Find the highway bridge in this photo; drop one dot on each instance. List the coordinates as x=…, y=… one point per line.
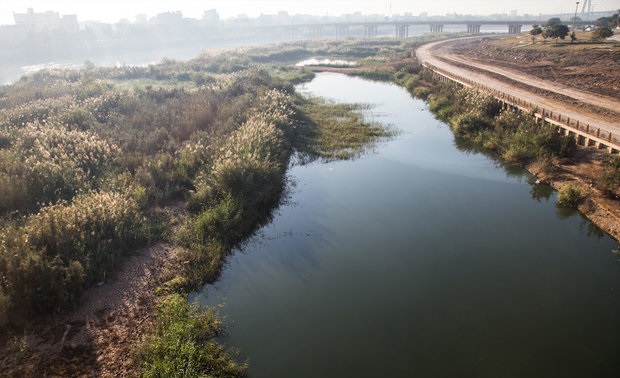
x=400, y=28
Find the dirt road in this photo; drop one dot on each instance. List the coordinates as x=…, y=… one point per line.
x=596, y=110
x=100, y=337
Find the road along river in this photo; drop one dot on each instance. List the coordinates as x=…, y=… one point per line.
x=420, y=259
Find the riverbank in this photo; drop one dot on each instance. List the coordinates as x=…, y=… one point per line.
x=188, y=159
x=560, y=71
x=584, y=171
x=209, y=150
x=584, y=167
x=365, y=242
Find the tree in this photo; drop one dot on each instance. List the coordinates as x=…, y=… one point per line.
x=601, y=34
x=536, y=30
x=607, y=22
x=609, y=180
x=557, y=31
x=554, y=29
x=603, y=22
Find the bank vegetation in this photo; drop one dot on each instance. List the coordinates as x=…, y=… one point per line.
x=92, y=160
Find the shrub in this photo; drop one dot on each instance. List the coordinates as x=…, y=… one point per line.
x=601, y=33
x=442, y=105
x=519, y=147
x=377, y=75
x=5, y=307
x=47, y=261
x=220, y=223
x=570, y=196
x=609, y=179
x=421, y=92
x=468, y=124
x=185, y=344
x=48, y=162
x=481, y=104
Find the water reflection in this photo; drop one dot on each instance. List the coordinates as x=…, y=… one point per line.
x=540, y=191
x=421, y=260
x=326, y=62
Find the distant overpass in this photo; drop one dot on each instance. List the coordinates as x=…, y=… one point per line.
x=400, y=28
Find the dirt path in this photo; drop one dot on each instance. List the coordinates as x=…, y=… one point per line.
x=588, y=98
x=438, y=55
x=99, y=338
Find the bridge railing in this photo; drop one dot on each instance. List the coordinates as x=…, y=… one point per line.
x=586, y=134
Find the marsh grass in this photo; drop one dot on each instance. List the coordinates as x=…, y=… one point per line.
x=338, y=131
x=184, y=343
x=88, y=158
x=512, y=135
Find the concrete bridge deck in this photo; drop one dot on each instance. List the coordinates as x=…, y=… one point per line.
x=401, y=27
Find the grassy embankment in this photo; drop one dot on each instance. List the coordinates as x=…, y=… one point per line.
x=480, y=123
x=90, y=159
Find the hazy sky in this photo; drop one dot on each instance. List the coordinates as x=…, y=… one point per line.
x=113, y=10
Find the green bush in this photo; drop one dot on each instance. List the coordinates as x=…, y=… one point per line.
x=443, y=105
x=377, y=75
x=570, y=196
x=519, y=146
x=609, y=179
x=185, y=344
x=421, y=92
x=220, y=223
x=479, y=118
x=468, y=124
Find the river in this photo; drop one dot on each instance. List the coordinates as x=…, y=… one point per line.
x=420, y=260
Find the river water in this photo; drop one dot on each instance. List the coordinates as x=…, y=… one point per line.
x=420, y=260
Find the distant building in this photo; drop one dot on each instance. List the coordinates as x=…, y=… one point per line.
x=37, y=22
x=211, y=16
x=141, y=18
x=169, y=19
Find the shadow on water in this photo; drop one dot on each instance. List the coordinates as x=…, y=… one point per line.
x=421, y=260
x=539, y=191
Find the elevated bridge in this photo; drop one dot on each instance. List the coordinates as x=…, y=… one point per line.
x=400, y=28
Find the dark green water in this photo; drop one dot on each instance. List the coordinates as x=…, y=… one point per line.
x=420, y=260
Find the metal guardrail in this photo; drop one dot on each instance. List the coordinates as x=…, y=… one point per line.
x=587, y=134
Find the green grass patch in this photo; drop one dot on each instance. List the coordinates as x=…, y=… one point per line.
x=337, y=131
x=185, y=344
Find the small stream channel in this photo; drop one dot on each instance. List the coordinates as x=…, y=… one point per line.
x=420, y=260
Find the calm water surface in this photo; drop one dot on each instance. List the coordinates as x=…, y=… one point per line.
x=420, y=260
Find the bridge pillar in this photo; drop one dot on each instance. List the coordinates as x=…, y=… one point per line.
x=342, y=31
x=315, y=32
x=514, y=28
x=370, y=31
x=402, y=31
x=436, y=28
x=473, y=28
x=292, y=33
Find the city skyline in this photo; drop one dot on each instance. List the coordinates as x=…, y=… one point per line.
x=112, y=11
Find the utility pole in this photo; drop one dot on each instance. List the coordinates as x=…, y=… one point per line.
x=575, y=17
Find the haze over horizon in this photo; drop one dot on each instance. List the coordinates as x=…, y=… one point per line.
x=112, y=11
